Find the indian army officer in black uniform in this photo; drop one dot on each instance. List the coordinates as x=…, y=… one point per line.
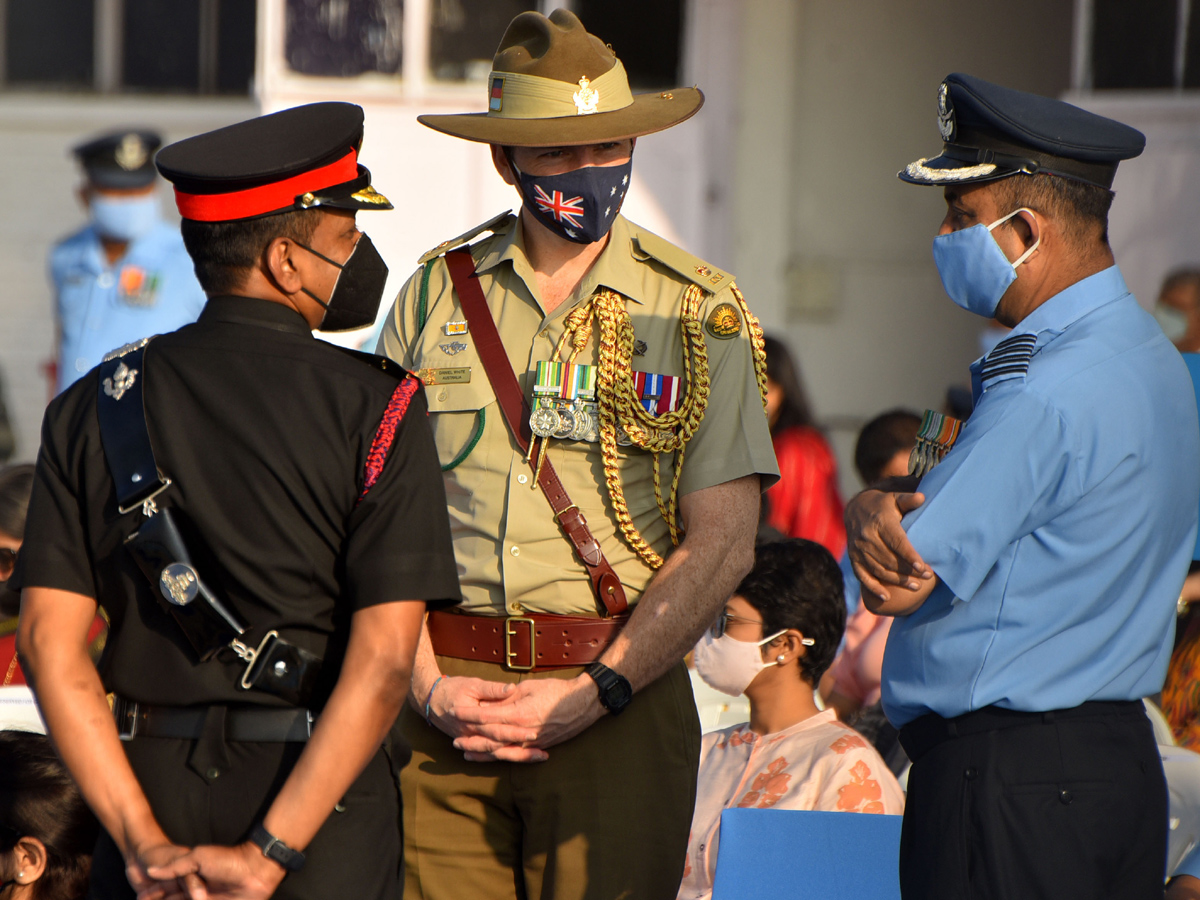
x=304, y=486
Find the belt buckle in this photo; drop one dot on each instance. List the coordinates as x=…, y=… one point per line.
x=127, y=713
x=509, y=653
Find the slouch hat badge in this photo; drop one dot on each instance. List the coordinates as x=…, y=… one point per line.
x=587, y=98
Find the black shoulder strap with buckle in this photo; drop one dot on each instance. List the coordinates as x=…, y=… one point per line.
x=209, y=624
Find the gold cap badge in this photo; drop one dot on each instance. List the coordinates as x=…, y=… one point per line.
x=587, y=98
x=131, y=153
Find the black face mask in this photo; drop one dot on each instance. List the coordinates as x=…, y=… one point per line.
x=355, y=300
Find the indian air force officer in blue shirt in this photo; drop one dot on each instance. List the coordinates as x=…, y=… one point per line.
x=125, y=275
x=1035, y=590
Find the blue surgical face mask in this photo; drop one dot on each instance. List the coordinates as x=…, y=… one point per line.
x=124, y=218
x=975, y=272
x=580, y=205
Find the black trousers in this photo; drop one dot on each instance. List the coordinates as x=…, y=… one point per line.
x=212, y=792
x=1021, y=806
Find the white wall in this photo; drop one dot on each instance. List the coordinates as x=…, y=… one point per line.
x=832, y=250
x=39, y=185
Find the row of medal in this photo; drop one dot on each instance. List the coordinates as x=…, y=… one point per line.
x=565, y=407
x=935, y=438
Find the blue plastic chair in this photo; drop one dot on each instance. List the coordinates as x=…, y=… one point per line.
x=783, y=854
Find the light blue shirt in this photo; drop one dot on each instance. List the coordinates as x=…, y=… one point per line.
x=1060, y=525
x=151, y=290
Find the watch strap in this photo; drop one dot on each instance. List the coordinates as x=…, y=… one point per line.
x=275, y=849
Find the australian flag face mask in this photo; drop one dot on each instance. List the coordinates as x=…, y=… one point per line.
x=579, y=205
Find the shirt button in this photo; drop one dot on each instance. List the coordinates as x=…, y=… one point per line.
x=1065, y=797
x=522, y=478
x=970, y=774
x=515, y=550
x=545, y=332
x=517, y=608
x=213, y=774
x=81, y=365
x=105, y=280
x=443, y=394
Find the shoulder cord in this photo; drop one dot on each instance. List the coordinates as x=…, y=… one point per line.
x=480, y=416
x=619, y=404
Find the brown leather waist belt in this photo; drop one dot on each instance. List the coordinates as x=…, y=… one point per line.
x=523, y=643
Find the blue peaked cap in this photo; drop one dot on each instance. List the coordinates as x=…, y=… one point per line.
x=992, y=132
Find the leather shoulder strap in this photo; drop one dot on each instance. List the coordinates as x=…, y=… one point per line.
x=511, y=400
x=123, y=432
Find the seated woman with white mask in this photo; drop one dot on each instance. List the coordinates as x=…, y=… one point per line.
x=776, y=637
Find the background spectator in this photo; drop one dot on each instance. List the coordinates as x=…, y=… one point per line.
x=804, y=503
x=46, y=830
x=1178, y=309
x=776, y=638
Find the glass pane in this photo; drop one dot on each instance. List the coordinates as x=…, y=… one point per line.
x=645, y=36
x=464, y=35
x=344, y=37
x=1191, y=69
x=162, y=45
x=50, y=42
x=235, y=46
x=1133, y=44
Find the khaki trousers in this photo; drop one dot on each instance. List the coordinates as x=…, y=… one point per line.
x=606, y=817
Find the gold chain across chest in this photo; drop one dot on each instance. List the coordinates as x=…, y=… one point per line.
x=620, y=407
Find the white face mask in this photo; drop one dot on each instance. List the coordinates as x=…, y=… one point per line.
x=729, y=665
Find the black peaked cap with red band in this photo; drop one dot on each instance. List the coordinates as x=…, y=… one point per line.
x=300, y=158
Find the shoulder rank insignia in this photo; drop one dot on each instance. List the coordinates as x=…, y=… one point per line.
x=1009, y=359
x=125, y=349
x=493, y=224
x=724, y=322
x=120, y=382
x=690, y=267
x=935, y=438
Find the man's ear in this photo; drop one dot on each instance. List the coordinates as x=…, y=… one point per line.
x=279, y=264
x=30, y=859
x=1028, y=227
x=500, y=161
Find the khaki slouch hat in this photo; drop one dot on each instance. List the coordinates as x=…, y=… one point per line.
x=553, y=84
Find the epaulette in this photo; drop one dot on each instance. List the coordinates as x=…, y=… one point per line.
x=126, y=349
x=445, y=246
x=690, y=267
x=375, y=361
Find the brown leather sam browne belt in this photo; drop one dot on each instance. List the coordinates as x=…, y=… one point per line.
x=523, y=643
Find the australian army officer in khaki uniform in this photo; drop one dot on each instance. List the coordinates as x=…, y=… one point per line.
x=603, y=456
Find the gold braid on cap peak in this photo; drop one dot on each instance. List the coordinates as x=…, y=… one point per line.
x=619, y=405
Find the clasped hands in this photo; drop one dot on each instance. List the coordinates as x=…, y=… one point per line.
x=491, y=721
x=170, y=872
x=880, y=551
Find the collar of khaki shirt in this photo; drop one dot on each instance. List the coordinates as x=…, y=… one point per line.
x=610, y=270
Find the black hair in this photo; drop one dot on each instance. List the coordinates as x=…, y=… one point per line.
x=16, y=483
x=1080, y=207
x=797, y=584
x=881, y=439
x=223, y=252
x=39, y=800
x=782, y=369
x=1179, y=278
